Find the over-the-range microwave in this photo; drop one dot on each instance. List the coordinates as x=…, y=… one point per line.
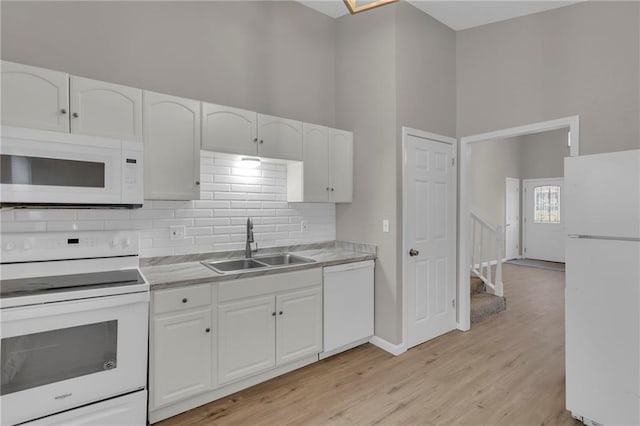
x=53, y=169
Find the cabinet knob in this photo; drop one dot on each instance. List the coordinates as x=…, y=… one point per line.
x=197, y=182
x=333, y=189
x=255, y=140
x=207, y=330
x=261, y=141
x=75, y=115
x=63, y=111
x=273, y=314
x=328, y=188
x=280, y=312
x=184, y=300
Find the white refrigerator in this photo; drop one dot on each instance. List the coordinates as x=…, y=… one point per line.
x=602, y=294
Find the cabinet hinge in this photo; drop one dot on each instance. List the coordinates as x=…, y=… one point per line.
x=453, y=162
x=453, y=303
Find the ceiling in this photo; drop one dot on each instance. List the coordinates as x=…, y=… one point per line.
x=458, y=15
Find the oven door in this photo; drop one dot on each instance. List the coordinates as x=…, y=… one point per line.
x=62, y=355
x=41, y=167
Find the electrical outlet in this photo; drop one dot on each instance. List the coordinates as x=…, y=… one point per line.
x=304, y=226
x=385, y=225
x=176, y=232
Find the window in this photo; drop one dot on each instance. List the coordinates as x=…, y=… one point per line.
x=546, y=204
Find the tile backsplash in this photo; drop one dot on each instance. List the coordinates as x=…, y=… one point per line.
x=230, y=191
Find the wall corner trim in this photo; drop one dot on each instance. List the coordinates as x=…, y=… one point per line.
x=388, y=346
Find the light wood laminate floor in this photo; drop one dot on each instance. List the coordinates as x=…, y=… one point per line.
x=508, y=370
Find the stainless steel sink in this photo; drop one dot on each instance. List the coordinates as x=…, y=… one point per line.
x=237, y=265
x=284, y=259
x=240, y=265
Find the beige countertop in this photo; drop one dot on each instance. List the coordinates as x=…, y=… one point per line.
x=167, y=274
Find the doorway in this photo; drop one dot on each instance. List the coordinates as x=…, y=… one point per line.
x=464, y=251
x=543, y=219
x=429, y=240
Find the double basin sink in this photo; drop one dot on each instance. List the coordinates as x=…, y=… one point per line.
x=242, y=265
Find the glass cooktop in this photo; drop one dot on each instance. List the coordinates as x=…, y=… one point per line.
x=67, y=283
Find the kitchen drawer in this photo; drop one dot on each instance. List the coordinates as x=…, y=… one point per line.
x=181, y=298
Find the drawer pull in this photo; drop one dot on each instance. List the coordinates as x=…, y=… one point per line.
x=281, y=312
x=273, y=314
x=207, y=329
x=185, y=300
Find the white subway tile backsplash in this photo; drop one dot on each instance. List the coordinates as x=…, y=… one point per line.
x=230, y=191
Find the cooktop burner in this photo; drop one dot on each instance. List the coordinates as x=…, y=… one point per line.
x=66, y=283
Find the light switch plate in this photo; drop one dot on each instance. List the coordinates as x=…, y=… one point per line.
x=385, y=225
x=176, y=232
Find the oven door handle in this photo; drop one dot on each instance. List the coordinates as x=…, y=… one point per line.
x=71, y=306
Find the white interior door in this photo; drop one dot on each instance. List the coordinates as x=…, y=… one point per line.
x=430, y=236
x=512, y=218
x=544, y=219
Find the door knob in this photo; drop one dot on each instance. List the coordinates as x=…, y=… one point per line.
x=413, y=252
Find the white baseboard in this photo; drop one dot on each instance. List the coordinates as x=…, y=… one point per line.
x=388, y=346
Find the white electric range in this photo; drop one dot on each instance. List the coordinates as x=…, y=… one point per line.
x=74, y=327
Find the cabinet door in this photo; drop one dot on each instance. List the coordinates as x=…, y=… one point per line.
x=316, y=162
x=341, y=166
x=106, y=109
x=171, y=147
x=35, y=97
x=279, y=138
x=299, y=332
x=181, y=356
x=246, y=338
x=230, y=130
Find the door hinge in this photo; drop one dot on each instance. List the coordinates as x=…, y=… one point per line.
x=453, y=303
x=453, y=162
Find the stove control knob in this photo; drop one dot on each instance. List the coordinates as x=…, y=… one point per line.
x=8, y=246
x=126, y=242
x=26, y=245
x=113, y=243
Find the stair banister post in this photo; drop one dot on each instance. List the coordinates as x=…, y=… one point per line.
x=500, y=238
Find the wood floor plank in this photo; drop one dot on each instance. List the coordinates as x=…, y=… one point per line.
x=508, y=370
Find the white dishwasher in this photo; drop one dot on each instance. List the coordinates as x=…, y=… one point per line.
x=348, y=306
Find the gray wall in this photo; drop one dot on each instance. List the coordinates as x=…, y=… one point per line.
x=366, y=104
x=272, y=57
x=396, y=67
x=581, y=59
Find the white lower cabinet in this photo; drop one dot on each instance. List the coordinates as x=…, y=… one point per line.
x=182, y=341
x=210, y=340
x=245, y=342
x=182, y=363
x=299, y=325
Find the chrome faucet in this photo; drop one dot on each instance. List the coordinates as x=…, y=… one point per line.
x=247, y=248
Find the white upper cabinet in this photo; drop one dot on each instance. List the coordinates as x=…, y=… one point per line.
x=341, y=166
x=326, y=173
x=105, y=109
x=238, y=131
x=316, y=163
x=279, y=138
x=35, y=97
x=171, y=147
x=230, y=130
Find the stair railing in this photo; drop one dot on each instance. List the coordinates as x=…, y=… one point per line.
x=487, y=246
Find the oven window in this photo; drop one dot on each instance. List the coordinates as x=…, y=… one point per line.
x=38, y=359
x=18, y=169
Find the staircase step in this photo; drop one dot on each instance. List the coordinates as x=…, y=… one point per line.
x=477, y=285
x=484, y=305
